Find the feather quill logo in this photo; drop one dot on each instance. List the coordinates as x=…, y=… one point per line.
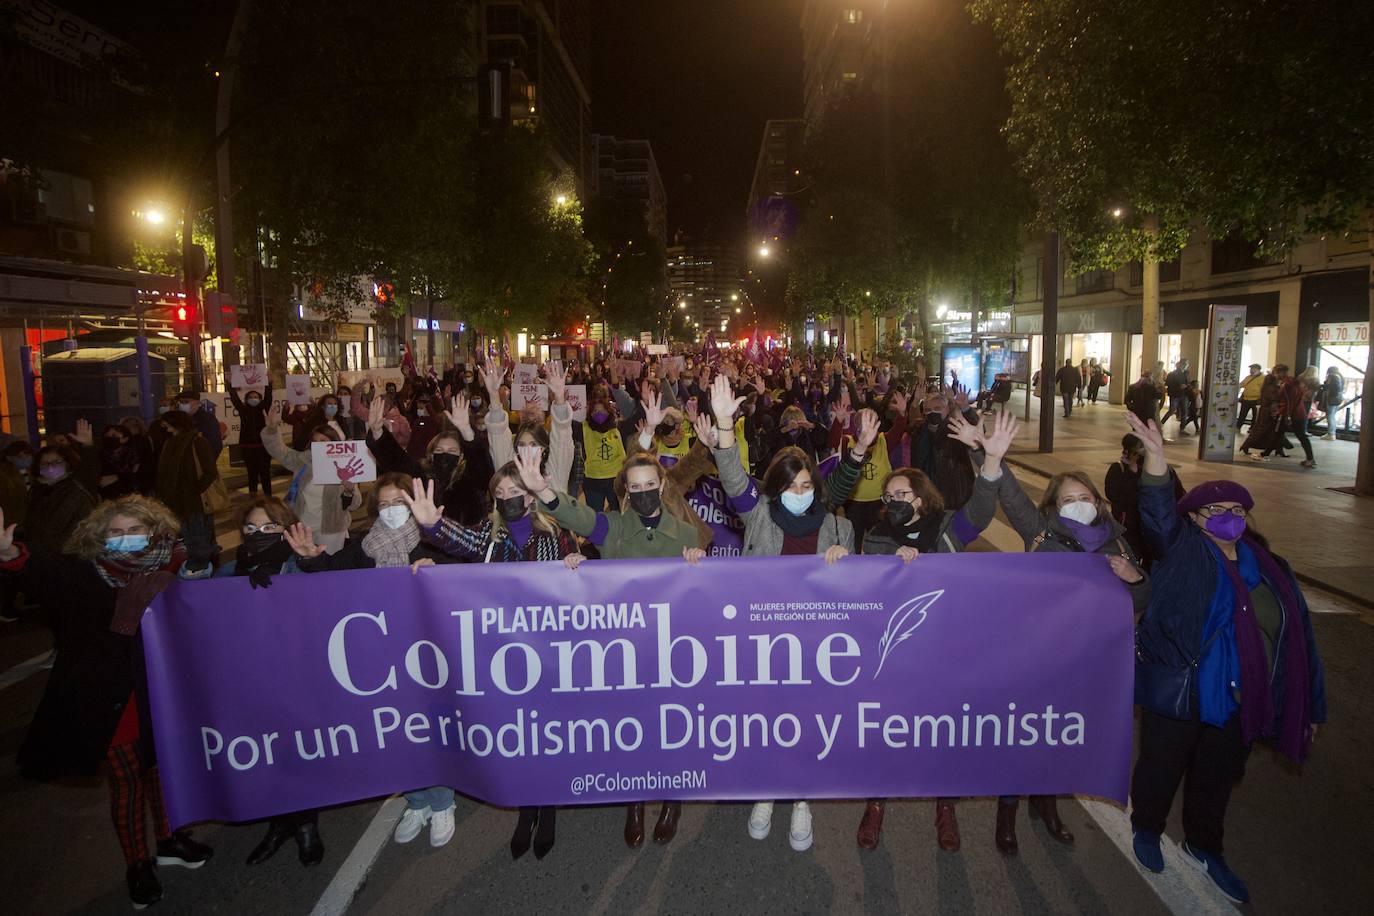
x=903, y=623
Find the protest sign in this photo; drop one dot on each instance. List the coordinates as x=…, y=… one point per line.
x=248, y=375
x=342, y=462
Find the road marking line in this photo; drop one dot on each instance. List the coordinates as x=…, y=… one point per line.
x=351, y=876
x=23, y=670
x=1180, y=887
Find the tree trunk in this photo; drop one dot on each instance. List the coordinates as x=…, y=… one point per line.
x=1149, y=311
x=1364, y=463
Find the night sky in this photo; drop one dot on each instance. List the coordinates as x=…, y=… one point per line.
x=697, y=79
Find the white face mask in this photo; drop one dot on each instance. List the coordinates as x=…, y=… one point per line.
x=1085, y=513
x=394, y=516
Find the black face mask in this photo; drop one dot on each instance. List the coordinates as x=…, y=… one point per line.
x=646, y=502
x=900, y=512
x=444, y=464
x=261, y=541
x=511, y=509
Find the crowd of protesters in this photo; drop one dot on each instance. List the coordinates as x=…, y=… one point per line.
x=813, y=455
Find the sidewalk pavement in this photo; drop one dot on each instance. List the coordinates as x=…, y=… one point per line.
x=1323, y=533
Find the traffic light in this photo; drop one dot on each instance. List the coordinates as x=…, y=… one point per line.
x=184, y=320
x=579, y=331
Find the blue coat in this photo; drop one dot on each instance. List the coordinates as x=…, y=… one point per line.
x=1184, y=580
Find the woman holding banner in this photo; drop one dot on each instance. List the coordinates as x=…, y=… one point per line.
x=1072, y=517
x=914, y=521
x=392, y=540
x=95, y=708
x=262, y=554
x=792, y=518
x=325, y=508
x=653, y=521
x=516, y=530
x=1225, y=655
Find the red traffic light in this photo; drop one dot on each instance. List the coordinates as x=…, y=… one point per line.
x=182, y=313
x=579, y=331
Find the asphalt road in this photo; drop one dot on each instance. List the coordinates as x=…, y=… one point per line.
x=1301, y=839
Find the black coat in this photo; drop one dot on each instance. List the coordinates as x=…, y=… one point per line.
x=351, y=556
x=93, y=676
x=54, y=512
x=252, y=420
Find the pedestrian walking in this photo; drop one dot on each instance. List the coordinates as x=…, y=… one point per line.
x=1069, y=380
x=1176, y=387
x=1250, y=387
x=1332, y=398
x=1266, y=432
x=1225, y=656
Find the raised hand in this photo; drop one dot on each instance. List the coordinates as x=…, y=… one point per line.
x=997, y=441
x=841, y=414
x=706, y=430
x=868, y=430
x=691, y=411
x=653, y=413
x=557, y=380
x=459, y=416
x=528, y=459
x=964, y=431
x=274, y=415
x=83, y=433
x=421, y=502
x=302, y=540
x=723, y=400
x=491, y=380
x=1152, y=438
x=898, y=401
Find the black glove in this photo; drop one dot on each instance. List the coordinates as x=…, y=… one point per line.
x=259, y=577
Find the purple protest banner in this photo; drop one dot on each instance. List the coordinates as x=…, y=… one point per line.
x=524, y=684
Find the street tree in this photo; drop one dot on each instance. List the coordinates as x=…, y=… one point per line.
x=1137, y=123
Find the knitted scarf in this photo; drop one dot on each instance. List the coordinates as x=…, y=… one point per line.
x=809, y=522
x=391, y=546
x=1238, y=654
x=138, y=578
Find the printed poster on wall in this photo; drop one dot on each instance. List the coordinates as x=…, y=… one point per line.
x=1221, y=383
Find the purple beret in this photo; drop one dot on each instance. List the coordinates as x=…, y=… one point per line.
x=1215, y=491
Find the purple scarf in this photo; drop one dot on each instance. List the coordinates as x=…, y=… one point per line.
x=1090, y=537
x=1294, y=737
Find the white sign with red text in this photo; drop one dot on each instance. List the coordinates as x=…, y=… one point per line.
x=577, y=401
x=342, y=462
x=248, y=375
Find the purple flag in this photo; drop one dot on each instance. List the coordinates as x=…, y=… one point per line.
x=744, y=678
x=710, y=353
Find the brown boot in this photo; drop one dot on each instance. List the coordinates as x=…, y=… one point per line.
x=946, y=826
x=1046, y=808
x=666, y=828
x=1006, y=827
x=871, y=827
x=634, y=825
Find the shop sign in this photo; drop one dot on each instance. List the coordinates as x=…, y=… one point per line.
x=1343, y=333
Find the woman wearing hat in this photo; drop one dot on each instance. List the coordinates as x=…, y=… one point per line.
x=1225, y=656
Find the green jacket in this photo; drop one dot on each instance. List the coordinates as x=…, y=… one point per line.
x=620, y=535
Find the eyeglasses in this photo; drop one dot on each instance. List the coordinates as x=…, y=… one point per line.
x=1209, y=511
x=898, y=496
x=266, y=528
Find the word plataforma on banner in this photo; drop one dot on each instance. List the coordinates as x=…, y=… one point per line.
x=342, y=462
x=577, y=401
x=248, y=375
x=297, y=389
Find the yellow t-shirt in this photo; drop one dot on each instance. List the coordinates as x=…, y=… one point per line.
x=1252, y=388
x=870, y=486
x=605, y=452
x=684, y=445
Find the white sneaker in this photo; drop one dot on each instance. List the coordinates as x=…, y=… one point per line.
x=411, y=823
x=1329, y=437
x=441, y=826
x=800, y=834
x=761, y=820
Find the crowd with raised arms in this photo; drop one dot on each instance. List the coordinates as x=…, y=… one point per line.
x=694, y=456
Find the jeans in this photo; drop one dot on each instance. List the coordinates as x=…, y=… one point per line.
x=600, y=494
x=435, y=798
x=1178, y=407
x=1208, y=760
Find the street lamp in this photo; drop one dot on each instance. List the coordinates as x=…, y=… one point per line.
x=561, y=200
x=156, y=217
x=763, y=251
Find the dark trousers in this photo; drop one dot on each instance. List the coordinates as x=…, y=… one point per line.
x=600, y=494
x=1300, y=430
x=1246, y=409
x=258, y=464
x=1178, y=407
x=862, y=515
x=1067, y=398
x=1209, y=761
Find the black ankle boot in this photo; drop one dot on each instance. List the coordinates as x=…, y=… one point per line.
x=144, y=888
x=524, y=831
x=278, y=832
x=309, y=844
x=543, y=837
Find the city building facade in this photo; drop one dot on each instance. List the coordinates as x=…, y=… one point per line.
x=627, y=171
x=706, y=285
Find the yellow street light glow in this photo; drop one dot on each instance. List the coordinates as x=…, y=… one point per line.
x=868, y=292
x=1117, y=212
x=763, y=251
x=561, y=199
x=737, y=310
x=156, y=217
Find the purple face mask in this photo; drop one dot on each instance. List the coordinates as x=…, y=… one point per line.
x=1225, y=527
x=600, y=416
